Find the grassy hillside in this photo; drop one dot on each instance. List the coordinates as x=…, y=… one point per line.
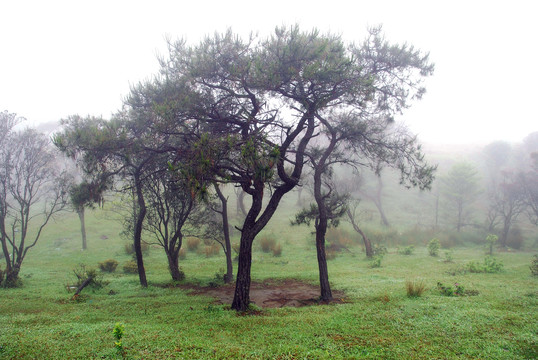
x=378, y=320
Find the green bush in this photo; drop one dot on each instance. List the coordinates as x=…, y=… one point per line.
x=108, y=265
x=130, y=267
x=534, y=266
x=491, y=240
x=449, y=256
x=433, y=247
x=490, y=265
x=459, y=290
x=379, y=250
x=376, y=261
x=407, y=250
x=82, y=273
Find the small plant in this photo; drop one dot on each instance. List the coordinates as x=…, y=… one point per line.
x=449, y=256
x=277, y=250
x=118, y=334
x=490, y=265
x=491, y=240
x=193, y=243
x=380, y=250
x=376, y=261
x=458, y=290
x=108, y=265
x=408, y=250
x=534, y=266
x=130, y=267
x=82, y=273
x=267, y=243
x=433, y=247
x=414, y=288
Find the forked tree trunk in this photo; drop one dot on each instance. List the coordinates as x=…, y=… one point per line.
x=173, y=266
x=82, y=228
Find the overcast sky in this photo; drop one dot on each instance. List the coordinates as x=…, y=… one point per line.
x=59, y=58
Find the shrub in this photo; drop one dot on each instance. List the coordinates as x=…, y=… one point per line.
x=459, y=290
x=182, y=254
x=433, y=247
x=108, y=265
x=129, y=247
x=414, y=288
x=379, y=250
x=408, y=250
x=490, y=265
x=267, y=243
x=376, y=261
x=338, y=239
x=449, y=256
x=82, y=273
x=211, y=250
x=118, y=334
x=534, y=266
x=277, y=250
x=130, y=267
x=193, y=243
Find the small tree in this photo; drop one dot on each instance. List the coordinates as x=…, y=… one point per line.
x=32, y=190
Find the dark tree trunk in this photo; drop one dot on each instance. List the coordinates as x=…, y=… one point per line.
x=173, y=266
x=226, y=230
x=367, y=243
x=82, y=228
x=138, y=230
x=325, y=287
x=242, y=284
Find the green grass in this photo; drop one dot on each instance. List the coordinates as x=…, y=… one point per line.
x=379, y=320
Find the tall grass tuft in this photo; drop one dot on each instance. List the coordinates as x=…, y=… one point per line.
x=415, y=288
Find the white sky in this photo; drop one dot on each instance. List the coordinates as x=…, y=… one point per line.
x=59, y=58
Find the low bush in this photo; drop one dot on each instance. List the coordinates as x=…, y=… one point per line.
x=379, y=250
x=130, y=250
x=490, y=265
x=415, y=288
x=277, y=250
x=376, y=261
x=433, y=247
x=211, y=250
x=130, y=267
x=108, y=265
x=193, y=243
x=82, y=273
x=459, y=290
x=449, y=256
x=267, y=243
x=407, y=250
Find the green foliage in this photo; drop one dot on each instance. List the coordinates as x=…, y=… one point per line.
x=433, y=247
x=130, y=267
x=415, y=288
x=379, y=250
x=376, y=261
x=491, y=240
x=458, y=289
x=449, y=256
x=406, y=250
x=534, y=266
x=118, y=332
x=490, y=265
x=108, y=265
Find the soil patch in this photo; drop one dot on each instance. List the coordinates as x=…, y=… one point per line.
x=270, y=293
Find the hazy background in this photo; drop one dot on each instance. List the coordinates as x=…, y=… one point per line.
x=67, y=57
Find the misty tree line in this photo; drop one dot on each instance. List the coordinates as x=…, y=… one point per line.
x=261, y=114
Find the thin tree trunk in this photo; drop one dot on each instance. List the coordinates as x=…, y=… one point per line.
x=138, y=230
x=367, y=242
x=379, y=204
x=82, y=228
x=226, y=230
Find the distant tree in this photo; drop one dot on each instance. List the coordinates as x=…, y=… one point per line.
x=460, y=187
x=32, y=191
x=86, y=195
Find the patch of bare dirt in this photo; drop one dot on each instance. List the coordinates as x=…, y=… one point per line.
x=270, y=293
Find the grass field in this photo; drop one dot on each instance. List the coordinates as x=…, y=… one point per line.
x=378, y=320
